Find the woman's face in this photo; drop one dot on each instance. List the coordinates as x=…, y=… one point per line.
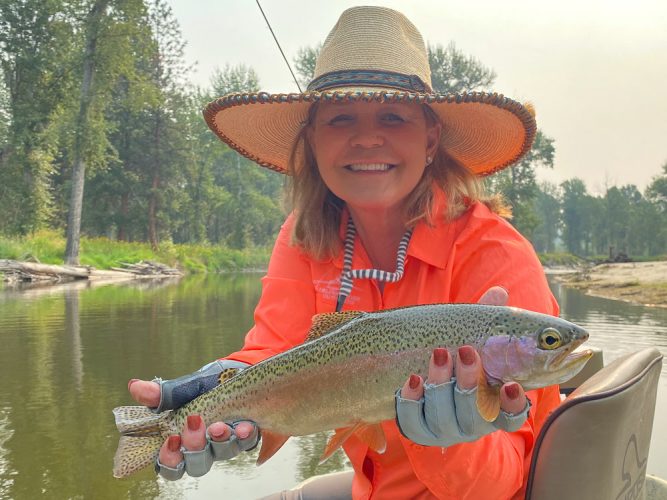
x=371, y=154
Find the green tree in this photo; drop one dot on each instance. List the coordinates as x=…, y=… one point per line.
x=37, y=42
x=656, y=196
x=232, y=79
x=304, y=64
x=249, y=197
x=453, y=72
x=519, y=184
x=547, y=210
x=575, y=220
x=82, y=127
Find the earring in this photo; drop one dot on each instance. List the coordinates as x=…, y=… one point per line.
x=428, y=160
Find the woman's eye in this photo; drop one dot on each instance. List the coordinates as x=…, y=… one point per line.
x=393, y=118
x=340, y=119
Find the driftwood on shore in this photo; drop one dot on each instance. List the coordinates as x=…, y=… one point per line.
x=27, y=272
x=148, y=267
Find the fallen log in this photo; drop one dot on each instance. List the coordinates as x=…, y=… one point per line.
x=32, y=271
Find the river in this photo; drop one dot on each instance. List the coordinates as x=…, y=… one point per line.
x=67, y=353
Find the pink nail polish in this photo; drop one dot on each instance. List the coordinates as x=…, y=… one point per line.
x=467, y=355
x=174, y=442
x=512, y=390
x=194, y=422
x=440, y=356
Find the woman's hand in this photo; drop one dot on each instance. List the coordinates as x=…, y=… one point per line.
x=197, y=447
x=442, y=411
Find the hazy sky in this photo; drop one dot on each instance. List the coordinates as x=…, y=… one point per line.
x=596, y=70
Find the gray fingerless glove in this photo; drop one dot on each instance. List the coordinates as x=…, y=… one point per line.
x=447, y=415
x=198, y=463
x=179, y=391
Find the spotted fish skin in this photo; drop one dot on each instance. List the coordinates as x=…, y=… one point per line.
x=348, y=370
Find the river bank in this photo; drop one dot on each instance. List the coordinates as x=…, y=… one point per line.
x=636, y=282
x=48, y=247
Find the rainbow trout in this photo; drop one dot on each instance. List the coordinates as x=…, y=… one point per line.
x=345, y=374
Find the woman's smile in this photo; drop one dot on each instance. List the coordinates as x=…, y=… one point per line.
x=370, y=167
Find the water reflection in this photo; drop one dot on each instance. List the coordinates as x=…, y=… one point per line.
x=68, y=354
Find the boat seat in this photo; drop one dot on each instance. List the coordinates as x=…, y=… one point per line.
x=595, y=444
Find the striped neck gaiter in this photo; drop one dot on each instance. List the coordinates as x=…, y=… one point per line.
x=348, y=275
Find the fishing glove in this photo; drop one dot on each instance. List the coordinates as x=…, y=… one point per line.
x=447, y=415
x=177, y=392
x=198, y=463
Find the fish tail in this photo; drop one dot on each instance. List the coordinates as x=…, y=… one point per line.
x=142, y=434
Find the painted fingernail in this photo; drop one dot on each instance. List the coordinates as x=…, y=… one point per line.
x=414, y=381
x=512, y=390
x=132, y=381
x=440, y=356
x=242, y=433
x=174, y=442
x=194, y=422
x=467, y=355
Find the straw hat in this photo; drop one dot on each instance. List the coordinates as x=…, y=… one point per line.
x=375, y=53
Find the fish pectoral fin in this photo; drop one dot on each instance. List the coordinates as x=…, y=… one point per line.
x=271, y=443
x=325, y=322
x=488, y=399
x=373, y=436
x=336, y=441
x=370, y=434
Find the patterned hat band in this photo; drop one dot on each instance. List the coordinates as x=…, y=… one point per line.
x=373, y=78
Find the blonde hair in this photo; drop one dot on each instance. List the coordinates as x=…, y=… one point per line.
x=318, y=211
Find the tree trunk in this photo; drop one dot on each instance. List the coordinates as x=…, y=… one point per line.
x=152, y=213
x=79, y=166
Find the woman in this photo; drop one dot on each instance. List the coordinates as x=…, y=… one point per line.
x=387, y=212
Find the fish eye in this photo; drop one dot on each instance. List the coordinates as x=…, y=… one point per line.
x=550, y=339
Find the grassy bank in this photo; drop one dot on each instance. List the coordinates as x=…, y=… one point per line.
x=48, y=247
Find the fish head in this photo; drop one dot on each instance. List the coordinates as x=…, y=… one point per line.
x=533, y=349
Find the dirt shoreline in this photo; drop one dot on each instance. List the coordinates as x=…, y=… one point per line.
x=642, y=283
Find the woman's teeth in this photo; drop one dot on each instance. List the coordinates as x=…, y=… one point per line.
x=360, y=167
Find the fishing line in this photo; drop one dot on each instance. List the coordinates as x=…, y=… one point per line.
x=279, y=47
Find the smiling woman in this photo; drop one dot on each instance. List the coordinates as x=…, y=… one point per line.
x=387, y=212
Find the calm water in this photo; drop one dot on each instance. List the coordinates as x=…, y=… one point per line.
x=68, y=353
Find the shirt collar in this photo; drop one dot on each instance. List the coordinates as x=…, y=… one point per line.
x=429, y=243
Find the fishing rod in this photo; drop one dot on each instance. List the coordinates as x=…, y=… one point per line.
x=279, y=47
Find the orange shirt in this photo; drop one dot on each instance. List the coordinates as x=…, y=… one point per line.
x=453, y=261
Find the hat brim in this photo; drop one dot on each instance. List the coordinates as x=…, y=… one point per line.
x=484, y=132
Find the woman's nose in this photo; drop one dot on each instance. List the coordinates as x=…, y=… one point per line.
x=367, y=137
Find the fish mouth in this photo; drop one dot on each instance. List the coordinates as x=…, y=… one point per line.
x=569, y=358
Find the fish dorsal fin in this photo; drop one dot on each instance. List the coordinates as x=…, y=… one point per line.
x=325, y=322
x=271, y=443
x=371, y=434
x=488, y=399
x=227, y=373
